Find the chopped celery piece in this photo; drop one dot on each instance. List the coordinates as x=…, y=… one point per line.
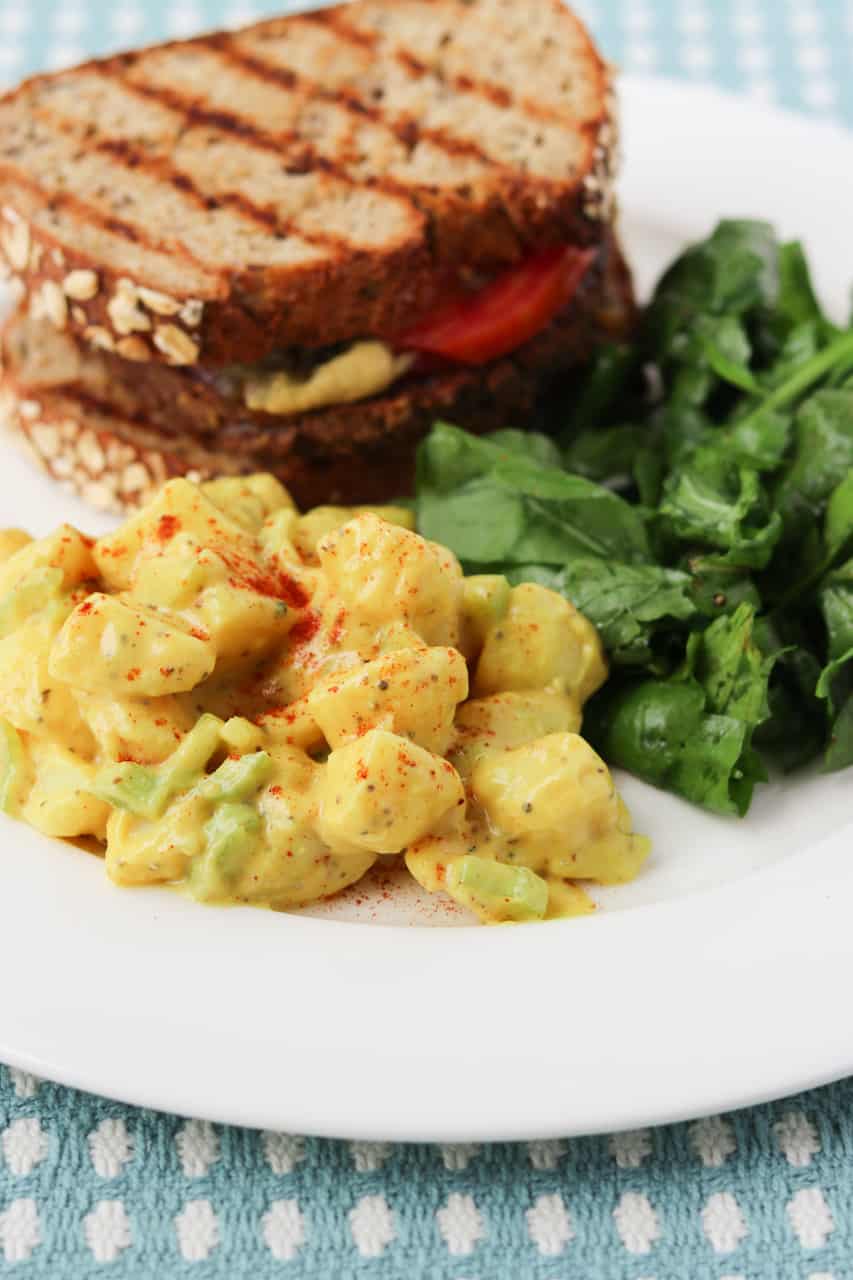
x=134, y=787
x=496, y=892
x=146, y=790
x=236, y=779
x=230, y=836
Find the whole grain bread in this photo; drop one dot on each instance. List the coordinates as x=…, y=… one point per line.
x=112, y=435
x=306, y=180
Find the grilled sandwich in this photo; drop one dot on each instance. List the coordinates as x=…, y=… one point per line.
x=279, y=247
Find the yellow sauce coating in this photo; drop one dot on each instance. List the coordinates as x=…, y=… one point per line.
x=256, y=704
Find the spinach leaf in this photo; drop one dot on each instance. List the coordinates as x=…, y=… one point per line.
x=626, y=602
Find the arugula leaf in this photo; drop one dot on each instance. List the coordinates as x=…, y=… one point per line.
x=732, y=669
x=731, y=368
x=717, y=587
x=627, y=603
x=710, y=499
x=733, y=271
x=836, y=601
x=607, y=454
x=693, y=732
x=823, y=454
x=480, y=521
x=759, y=440
x=797, y=302
x=794, y=733
x=839, y=753
x=560, y=515
x=838, y=524
x=835, y=684
x=661, y=731
x=528, y=444
x=609, y=377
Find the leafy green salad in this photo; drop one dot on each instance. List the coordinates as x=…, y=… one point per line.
x=696, y=504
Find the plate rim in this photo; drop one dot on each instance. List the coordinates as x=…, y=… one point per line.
x=483, y=953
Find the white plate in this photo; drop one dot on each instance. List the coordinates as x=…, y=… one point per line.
x=719, y=979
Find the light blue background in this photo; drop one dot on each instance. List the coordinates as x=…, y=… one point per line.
x=90, y=1188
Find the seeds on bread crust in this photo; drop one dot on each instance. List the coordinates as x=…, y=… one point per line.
x=15, y=242
x=80, y=285
x=133, y=348
x=177, y=346
x=49, y=302
x=191, y=312
x=160, y=303
x=125, y=312
x=99, y=337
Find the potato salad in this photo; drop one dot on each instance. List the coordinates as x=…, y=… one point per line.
x=259, y=704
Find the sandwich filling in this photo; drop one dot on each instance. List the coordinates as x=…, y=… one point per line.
x=365, y=369
x=466, y=328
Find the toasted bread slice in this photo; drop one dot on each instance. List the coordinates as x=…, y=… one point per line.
x=305, y=180
x=100, y=428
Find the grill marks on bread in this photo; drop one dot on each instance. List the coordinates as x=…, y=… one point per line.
x=342, y=152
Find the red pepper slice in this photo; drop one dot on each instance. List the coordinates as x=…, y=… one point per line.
x=508, y=312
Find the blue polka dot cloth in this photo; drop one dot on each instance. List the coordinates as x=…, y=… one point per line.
x=91, y=1188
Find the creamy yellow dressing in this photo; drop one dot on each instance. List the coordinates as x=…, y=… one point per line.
x=364, y=369
x=257, y=704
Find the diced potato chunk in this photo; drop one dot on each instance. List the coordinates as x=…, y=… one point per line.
x=383, y=793
x=556, y=795
x=316, y=523
x=412, y=692
x=485, y=600
x=155, y=851
x=110, y=646
x=30, y=698
x=66, y=550
x=543, y=641
x=179, y=507
x=380, y=571
x=60, y=802
x=146, y=730
x=508, y=720
x=249, y=500
x=12, y=540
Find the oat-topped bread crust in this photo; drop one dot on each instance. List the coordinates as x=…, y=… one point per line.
x=305, y=180
x=113, y=436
